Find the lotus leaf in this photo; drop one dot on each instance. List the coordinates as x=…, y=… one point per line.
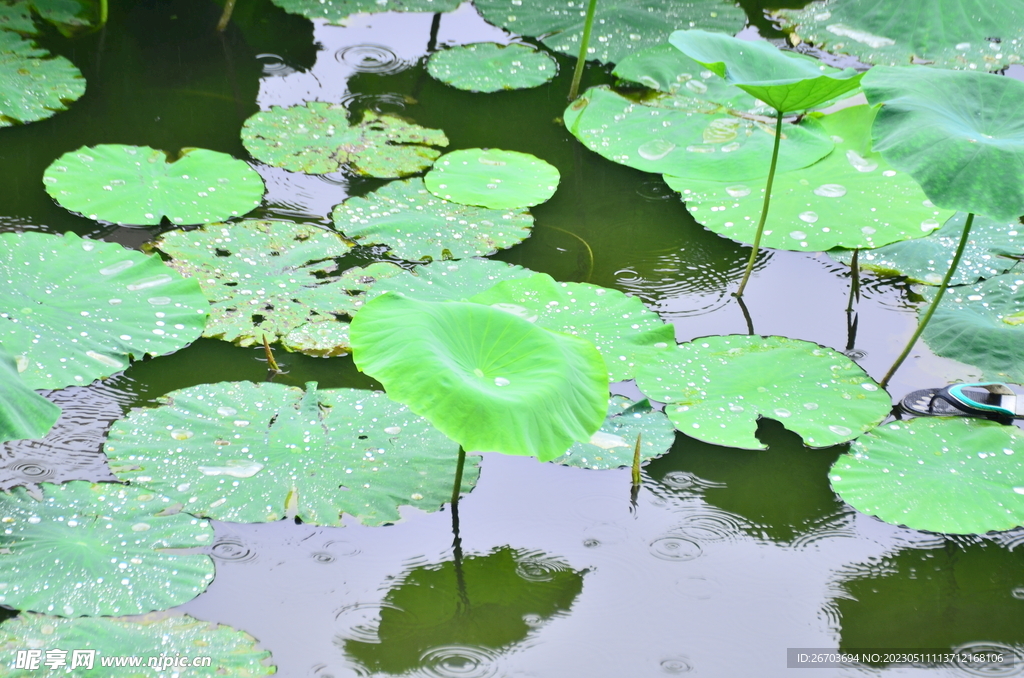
x=24, y=414
x=490, y=380
x=313, y=454
x=942, y=474
x=689, y=137
x=449, y=280
x=991, y=249
x=317, y=139
x=486, y=603
x=622, y=329
x=716, y=388
x=621, y=27
x=415, y=224
x=69, y=16
x=139, y=185
x=666, y=69
x=492, y=178
x=490, y=67
x=970, y=34
x=337, y=11
x=34, y=85
x=91, y=549
x=614, y=443
x=270, y=278
x=851, y=199
x=234, y=653
x=786, y=81
x=956, y=132
x=983, y=325
x=75, y=310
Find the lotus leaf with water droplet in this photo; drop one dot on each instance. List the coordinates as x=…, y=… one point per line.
x=493, y=178
x=666, y=69
x=76, y=310
x=941, y=474
x=91, y=549
x=490, y=380
x=449, y=280
x=337, y=12
x=415, y=224
x=716, y=388
x=490, y=67
x=614, y=443
x=68, y=16
x=314, y=454
x=33, y=84
x=24, y=414
x=851, y=198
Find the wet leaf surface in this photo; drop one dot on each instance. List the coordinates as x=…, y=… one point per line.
x=615, y=442
x=33, y=84
x=449, y=280
x=24, y=414
x=338, y=11
x=490, y=67
x=493, y=178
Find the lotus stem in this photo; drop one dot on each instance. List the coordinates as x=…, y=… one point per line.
x=854, y=281
x=590, y=252
x=636, y=461
x=935, y=303
x=764, y=207
x=460, y=577
x=269, y=352
x=577, y=75
x=229, y=7
x=457, y=490
x=103, y=12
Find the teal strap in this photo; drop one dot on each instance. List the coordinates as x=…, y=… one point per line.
x=957, y=392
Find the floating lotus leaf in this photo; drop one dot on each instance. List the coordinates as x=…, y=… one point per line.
x=666, y=69
x=68, y=16
x=313, y=454
x=270, y=278
x=955, y=132
x=991, y=249
x=24, y=414
x=852, y=198
x=786, y=81
x=415, y=224
x=716, y=388
x=489, y=67
x=492, y=178
x=982, y=325
x=488, y=379
x=942, y=474
x=615, y=442
x=622, y=329
x=621, y=27
x=983, y=34
x=485, y=605
x=317, y=139
x=337, y=11
x=449, y=280
x=232, y=653
x=91, y=549
x=33, y=84
x=75, y=310
x=689, y=137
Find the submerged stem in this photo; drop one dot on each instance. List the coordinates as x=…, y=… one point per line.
x=590, y=252
x=577, y=74
x=460, y=577
x=764, y=207
x=935, y=303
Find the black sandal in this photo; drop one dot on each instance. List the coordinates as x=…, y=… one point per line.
x=989, y=400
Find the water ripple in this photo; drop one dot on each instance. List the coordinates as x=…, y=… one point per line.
x=371, y=58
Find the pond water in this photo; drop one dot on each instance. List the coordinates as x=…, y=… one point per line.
x=725, y=559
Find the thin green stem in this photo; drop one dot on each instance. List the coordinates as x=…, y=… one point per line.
x=457, y=490
x=229, y=7
x=764, y=207
x=636, y=461
x=590, y=252
x=577, y=75
x=935, y=303
x=103, y=12
x=854, y=281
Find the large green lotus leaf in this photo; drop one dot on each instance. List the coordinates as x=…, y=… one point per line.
x=959, y=134
x=139, y=185
x=17, y=16
x=971, y=34
x=982, y=325
x=716, y=388
x=490, y=67
x=449, y=280
x=786, y=81
x=689, y=137
x=91, y=549
x=992, y=248
x=313, y=454
x=270, y=278
x=623, y=330
x=621, y=27
x=24, y=414
x=666, y=69
x=74, y=310
x=337, y=11
x=614, y=443
x=232, y=653
x=492, y=178
x=942, y=474
x=415, y=224
x=34, y=85
x=317, y=139
x=486, y=604
x=852, y=198
x=490, y=380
